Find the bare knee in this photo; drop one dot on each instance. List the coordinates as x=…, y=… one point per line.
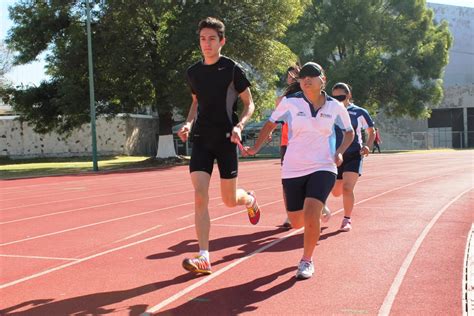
x=336, y=193
x=313, y=214
x=347, y=189
x=201, y=199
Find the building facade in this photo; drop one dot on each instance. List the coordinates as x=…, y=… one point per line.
x=451, y=124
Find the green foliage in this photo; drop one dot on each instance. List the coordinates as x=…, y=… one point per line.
x=141, y=53
x=390, y=51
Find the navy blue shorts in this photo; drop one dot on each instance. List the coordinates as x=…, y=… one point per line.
x=352, y=163
x=316, y=185
x=205, y=153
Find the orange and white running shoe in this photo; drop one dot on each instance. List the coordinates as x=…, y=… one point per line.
x=253, y=211
x=198, y=264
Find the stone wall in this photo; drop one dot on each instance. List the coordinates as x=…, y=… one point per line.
x=396, y=133
x=122, y=135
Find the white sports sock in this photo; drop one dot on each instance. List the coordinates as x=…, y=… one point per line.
x=204, y=253
x=252, y=199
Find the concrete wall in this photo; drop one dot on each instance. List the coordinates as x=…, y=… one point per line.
x=459, y=70
x=124, y=135
x=458, y=96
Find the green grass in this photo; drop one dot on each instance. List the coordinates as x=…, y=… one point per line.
x=10, y=169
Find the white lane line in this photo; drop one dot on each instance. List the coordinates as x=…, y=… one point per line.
x=139, y=233
x=160, y=186
x=33, y=276
x=107, y=221
x=393, y=291
x=38, y=257
x=85, y=178
x=468, y=276
x=157, y=236
x=208, y=278
x=89, y=197
x=186, y=290
x=192, y=212
x=186, y=216
x=93, y=224
x=90, y=207
x=36, y=275
x=101, y=205
x=244, y=226
x=83, y=197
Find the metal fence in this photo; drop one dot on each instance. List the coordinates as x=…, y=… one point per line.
x=442, y=139
x=390, y=141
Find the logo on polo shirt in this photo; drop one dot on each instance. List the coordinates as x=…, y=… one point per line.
x=300, y=113
x=325, y=115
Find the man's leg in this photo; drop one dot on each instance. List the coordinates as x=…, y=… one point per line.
x=201, y=182
x=201, y=263
x=231, y=196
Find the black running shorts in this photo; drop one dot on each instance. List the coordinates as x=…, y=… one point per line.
x=316, y=185
x=224, y=151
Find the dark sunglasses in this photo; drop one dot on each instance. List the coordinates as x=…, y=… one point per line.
x=340, y=98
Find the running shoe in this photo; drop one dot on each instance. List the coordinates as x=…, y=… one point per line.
x=287, y=223
x=346, y=225
x=326, y=214
x=305, y=270
x=198, y=264
x=253, y=211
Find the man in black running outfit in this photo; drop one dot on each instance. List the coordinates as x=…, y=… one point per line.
x=216, y=82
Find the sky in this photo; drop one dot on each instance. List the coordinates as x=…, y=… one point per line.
x=33, y=73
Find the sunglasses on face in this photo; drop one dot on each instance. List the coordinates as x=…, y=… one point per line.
x=340, y=98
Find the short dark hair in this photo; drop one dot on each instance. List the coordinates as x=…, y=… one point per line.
x=344, y=86
x=212, y=23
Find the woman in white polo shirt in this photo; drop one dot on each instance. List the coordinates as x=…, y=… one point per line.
x=310, y=166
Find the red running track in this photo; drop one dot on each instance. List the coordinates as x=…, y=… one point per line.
x=113, y=244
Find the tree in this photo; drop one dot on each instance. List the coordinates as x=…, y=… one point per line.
x=6, y=62
x=140, y=54
x=389, y=50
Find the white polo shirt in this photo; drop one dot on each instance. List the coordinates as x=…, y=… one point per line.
x=311, y=134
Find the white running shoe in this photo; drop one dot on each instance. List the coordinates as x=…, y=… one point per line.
x=346, y=225
x=326, y=214
x=305, y=270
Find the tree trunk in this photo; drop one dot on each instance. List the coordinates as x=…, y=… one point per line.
x=165, y=142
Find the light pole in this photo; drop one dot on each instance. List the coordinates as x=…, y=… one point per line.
x=91, y=88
